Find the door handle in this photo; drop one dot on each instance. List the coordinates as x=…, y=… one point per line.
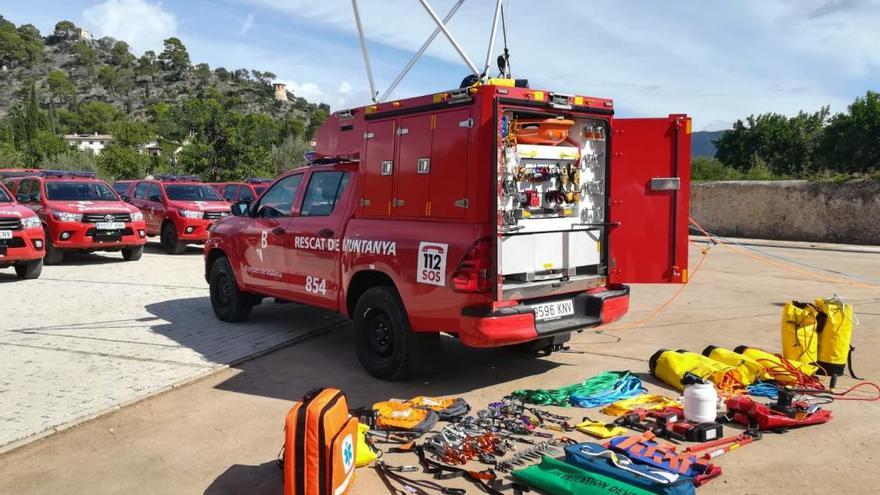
x=325, y=233
x=278, y=231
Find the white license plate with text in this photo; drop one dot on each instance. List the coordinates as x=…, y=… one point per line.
x=110, y=225
x=5, y=234
x=553, y=310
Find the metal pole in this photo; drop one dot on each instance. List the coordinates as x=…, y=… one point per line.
x=421, y=51
x=448, y=35
x=492, y=38
x=357, y=18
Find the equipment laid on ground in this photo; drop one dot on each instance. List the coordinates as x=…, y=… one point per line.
x=320, y=444
x=595, y=458
x=644, y=401
x=800, y=322
x=785, y=414
x=722, y=446
x=646, y=450
x=783, y=370
x=600, y=390
x=396, y=415
x=700, y=399
x=835, y=347
x=756, y=371
x=671, y=367
x=555, y=477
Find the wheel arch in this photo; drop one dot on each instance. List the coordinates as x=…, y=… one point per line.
x=361, y=282
x=211, y=257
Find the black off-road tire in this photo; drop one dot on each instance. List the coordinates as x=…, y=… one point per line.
x=132, y=253
x=171, y=243
x=227, y=300
x=54, y=256
x=29, y=270
x=386, y=346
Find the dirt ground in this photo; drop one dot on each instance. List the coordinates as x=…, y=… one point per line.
x=222, y=434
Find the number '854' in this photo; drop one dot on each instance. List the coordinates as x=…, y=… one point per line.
x=316, y=285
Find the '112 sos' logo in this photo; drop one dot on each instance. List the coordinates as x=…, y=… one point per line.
x=432, y=263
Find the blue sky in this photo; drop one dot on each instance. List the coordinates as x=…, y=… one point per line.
x=716, y=60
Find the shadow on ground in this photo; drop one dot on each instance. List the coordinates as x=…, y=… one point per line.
x=155, y=247
x=253, y=480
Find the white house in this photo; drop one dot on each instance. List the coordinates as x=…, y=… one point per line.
x=89, y=142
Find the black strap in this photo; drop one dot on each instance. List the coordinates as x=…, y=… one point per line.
x=849, y=361
x=388, y=473
x=443, y=471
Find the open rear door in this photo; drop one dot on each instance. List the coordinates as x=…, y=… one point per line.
x=649, y=197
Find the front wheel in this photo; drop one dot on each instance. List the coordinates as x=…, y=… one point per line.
x=132, y=253
x=170, y=240
x=54, y=256
x=29, y=270
x=386, y=346
x=228, y=301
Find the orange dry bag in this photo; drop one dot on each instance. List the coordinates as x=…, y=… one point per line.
x=320, y=442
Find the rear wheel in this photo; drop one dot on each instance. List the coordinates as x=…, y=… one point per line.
x=132, y=253
x=170, y=240
x=29, y=270
x=228, y=301
x=54, y=255
x=386, y=346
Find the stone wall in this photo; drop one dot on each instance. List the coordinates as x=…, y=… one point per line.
x=793, y=210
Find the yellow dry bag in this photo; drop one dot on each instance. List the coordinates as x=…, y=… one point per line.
x=800, y=325
x=775, y=366
x=751, y=369
x=671, y=366
x=835, y=337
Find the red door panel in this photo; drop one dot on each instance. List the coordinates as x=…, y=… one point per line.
x=378, y=170
x=413, y=175
x=649, y=243
x=449, y=164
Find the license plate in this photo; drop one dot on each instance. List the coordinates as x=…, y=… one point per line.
x=110, y=225
x=5, y=234
x=553, y=310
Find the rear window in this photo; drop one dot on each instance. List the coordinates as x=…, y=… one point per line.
x=324, y=191
x=260, y=189
x=245, y=194
x=121, y=187
x=79, y=190
x=191, y=192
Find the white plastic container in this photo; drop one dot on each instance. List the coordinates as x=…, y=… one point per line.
x=700, y=402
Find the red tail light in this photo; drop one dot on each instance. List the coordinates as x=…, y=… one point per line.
x=474, y=273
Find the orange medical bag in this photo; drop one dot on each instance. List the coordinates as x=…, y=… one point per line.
x=320, y=442
x=542, y=131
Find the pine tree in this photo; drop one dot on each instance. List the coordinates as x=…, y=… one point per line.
x=32, y=115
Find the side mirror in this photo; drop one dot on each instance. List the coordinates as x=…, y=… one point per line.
x=240, y=209
x=156, y=198
x=125, y=198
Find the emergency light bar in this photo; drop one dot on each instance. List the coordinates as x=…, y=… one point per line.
x=67, y=173
x=174, y=178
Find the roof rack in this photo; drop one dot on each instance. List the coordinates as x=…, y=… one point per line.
x=257, y=180
x=178, y=178
x=68, y=173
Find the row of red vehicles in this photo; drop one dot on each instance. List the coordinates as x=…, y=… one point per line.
x=46, y=213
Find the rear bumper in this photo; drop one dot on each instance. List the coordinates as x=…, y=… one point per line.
x=25, y=245
x=74, y=236
x=485, y=327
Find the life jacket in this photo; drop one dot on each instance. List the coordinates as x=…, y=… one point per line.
x=800, y=325
x=320, y=444
x=446, y=409
x=835, y=337
x=397, y=415
x=671, y=366
x=753, y=370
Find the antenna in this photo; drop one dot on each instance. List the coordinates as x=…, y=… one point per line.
x=357, y=18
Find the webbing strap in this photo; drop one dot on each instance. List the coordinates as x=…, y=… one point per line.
x=597, y=391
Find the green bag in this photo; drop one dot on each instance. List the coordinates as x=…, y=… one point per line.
x=555, y=477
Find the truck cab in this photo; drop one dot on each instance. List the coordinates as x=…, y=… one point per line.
x=178, y=208
x=501, y=215
x=80, y=213
x=238, y=191
x=22, y=243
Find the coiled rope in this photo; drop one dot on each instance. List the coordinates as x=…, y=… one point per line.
x=597, y=391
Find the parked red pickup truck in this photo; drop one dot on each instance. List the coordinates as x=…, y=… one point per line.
x=22, y=243
x=178, y=208
x=501, y=215
x=80, y=213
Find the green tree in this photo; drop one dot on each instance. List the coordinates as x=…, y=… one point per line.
x=174, y=58
x=93, y=116
x=221, y=73
x=851, y=142
x=64, y=29
x=132, y=134
x=12, y=47
x=84, y=54
x=203, y=73
x=107, y=77
x=289, y=154
x=122, y=162
x=32, y=43
x=120, y=55
x=60, y=86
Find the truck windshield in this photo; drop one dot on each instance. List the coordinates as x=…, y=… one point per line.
x=4, y=198
x=191, y=192
x=79, y=190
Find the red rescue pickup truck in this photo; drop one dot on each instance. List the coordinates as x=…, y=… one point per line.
x=80, y=213
x=501, y=215
x=22, y=243
x=178, y=208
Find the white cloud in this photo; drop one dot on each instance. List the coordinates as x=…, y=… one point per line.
x=344, y=88
x=246, y=25
x=142, y=24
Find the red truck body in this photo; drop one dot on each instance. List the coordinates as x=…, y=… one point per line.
x=442, y=221
x=179, y=209
x=80, y=213
x=22, y=242
x=238, y=191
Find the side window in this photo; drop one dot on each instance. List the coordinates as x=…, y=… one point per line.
x=155, y=191
x=140, y=191
x=278, y=201
x=230, y=193
x=29, y=191
x=325, y=189
x=246, y=194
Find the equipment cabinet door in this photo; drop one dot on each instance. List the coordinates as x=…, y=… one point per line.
x=378, y=169
x=450, y=152
x=649, y=192
x=413, y=175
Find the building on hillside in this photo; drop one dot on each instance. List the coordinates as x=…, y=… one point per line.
x=280, y=91
x=93, y=143
x=152, y=149
x=82, y=34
